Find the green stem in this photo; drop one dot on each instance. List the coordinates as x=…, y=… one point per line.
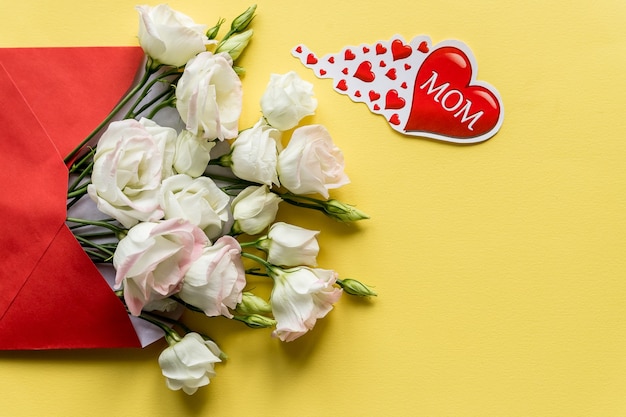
x=269, y=267
x=81, y=177
x=186, y=305
x=104, y=224
x=132, y=113
x=148, y=104
x=161, y=106
x=78, y=193
x=102, y=248
x=147, y=73
x=170, y=335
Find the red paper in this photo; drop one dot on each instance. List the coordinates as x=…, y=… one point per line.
x=51, y=294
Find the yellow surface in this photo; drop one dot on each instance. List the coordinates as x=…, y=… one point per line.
x=500, y=266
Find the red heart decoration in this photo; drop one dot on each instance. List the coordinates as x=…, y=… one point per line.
x=423, y=47
x=357, y=93
x=349, y=55
x=393, y=101
x=391, y=74
x=448, y=104
x=331, y=59
x=376, y=107
x=399, y=50
x=382, y=64
x=374, y=95
x=380, y=49
x=394, y=119
x=364, y=72
x=299, y=49
x=345, y=71
x=341, y=85
x=366, y=49
x=322, y=71
x=311, y=60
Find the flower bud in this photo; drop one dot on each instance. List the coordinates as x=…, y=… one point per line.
x=354, y=287
x=235, y=45
x=256, y=321
x=251, y=304
x=343, y=212
x=241, y=22
x=212, y=32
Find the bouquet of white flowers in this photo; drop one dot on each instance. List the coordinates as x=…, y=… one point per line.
x=185, y=196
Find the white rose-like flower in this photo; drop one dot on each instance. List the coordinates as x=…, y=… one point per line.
x=209, y=96
x=152, y=259
x=193, y=154
x=189, y=363
x=255, y=154
x=290, y=245
x=131, y=159
x=170, y=37
x=197, y=200
x=311, y=162
x=286, y=100
x=254, y=209
x=215, y=281
x=301, y=296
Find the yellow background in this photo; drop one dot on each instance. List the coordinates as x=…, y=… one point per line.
x=500, y=266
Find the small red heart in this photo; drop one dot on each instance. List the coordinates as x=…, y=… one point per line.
x=380, y=49
x=403, y=85
x=423, y=47
x=331, y=59
x=311, y=60
x=357, y=93
x=366, y=49
x=391, y=74
x=447, y=104
x=322, y=72
x=399, y=50
x=382, y=64
x=407, y=67
x=364, y=72
x=393, y=101
x=345, y=71
x=374, y=95
x=341, y=85
x=349, y=55
x=299, y=49
x=376, y=107
x=395, y=119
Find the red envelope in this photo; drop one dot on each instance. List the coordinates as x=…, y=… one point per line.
x=51, y=294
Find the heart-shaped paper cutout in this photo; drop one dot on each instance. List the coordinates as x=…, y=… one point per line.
x=429, y=91
x=448, y=102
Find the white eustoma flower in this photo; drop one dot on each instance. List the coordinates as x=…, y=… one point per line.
x=209, y=96
x=170, y=37
x=286, y=100
x=198, y=200
x=153, y=258
x=290, y=245
x=254, y=209
x=131, y=159
x=311, y=162
x=301, y=296
x=189, y=363
x=255, y=154
x=215, y=281
x=193, y=154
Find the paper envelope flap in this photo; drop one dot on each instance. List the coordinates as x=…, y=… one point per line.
x=71, y=90
x=51, y=294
